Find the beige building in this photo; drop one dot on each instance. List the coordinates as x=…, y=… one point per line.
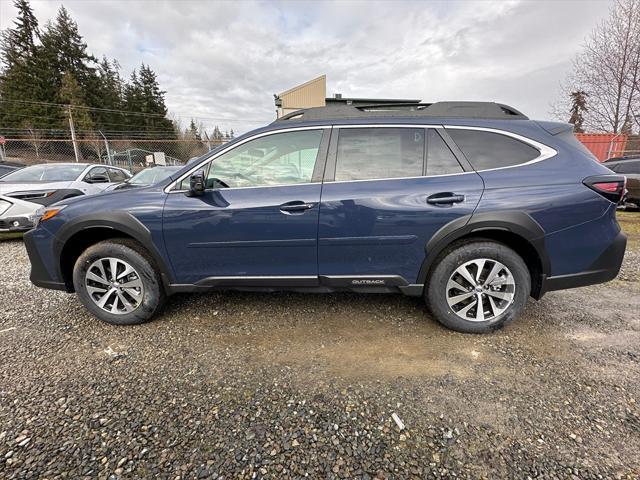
x=309, y=94
x=314, y=94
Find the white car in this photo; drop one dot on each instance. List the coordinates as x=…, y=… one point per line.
x=25, y=191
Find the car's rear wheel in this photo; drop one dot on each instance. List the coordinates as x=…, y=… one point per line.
x=117, y=282
x=478, y=287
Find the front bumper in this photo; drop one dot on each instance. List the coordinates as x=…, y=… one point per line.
x=605, y=268
x=40, y=276
x=16, y=224
x=19, y=216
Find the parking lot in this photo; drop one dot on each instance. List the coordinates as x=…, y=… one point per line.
x=248, y=385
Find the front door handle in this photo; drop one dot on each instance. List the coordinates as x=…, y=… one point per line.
x=296, y=207
x=445, y=198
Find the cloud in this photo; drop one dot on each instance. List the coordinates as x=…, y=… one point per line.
x=222, y=61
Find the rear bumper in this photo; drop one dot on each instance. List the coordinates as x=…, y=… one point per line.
x=604, y=269
x=40, y=276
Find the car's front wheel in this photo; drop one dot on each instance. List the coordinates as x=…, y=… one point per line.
x=117, y=282
x=478, y=287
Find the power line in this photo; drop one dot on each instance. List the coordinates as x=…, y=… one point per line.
x=82, y=107
x=125, y=112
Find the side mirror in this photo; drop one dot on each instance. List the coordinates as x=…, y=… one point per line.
x=98, y=179
x=196, y=184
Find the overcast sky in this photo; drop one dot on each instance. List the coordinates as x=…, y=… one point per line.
x=223, y=61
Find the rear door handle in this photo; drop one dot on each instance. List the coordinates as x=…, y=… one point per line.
x=446, y=198
x=296, y=206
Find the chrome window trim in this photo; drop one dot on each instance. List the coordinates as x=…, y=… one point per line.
x=391, y=125
x=546, y=152
x=258, y=186
x=398, y=178
x=168, y=188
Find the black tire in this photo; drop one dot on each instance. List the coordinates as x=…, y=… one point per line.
x=153, y=296
x=458, y=255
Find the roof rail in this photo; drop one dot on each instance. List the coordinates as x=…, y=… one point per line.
x=486, y=110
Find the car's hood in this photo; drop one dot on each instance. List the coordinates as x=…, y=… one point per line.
x=6, y=187
x=19, y=207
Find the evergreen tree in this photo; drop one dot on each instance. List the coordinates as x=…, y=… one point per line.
x=193, y=132
x=110, y=95
x=65, y=51
x=19, y=43
x=132, y=101
x=152, y=101
x=578, y=109
x=216, y=136
x=17, y=80
x=71, y=94
x=42, y=67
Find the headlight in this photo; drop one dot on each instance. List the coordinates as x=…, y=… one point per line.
x=4, y=206
x=44, y=214
x=31, y=195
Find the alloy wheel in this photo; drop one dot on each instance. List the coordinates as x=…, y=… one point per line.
x=480, y=290
x=114, y=285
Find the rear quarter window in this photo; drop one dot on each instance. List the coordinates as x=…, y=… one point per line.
x=486, y=150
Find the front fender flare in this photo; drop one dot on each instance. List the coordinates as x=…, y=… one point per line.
x=119, y=222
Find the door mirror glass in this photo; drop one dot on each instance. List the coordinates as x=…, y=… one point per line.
x=196, y=184
x=98, y=178
x=97, y=175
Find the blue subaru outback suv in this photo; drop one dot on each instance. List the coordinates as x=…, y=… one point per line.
x=471, y=205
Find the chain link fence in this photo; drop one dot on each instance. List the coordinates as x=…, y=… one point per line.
x=133, y=154
x=629, y=145
x=610, y=145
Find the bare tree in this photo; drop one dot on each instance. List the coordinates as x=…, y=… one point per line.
x=36, y=139
x=608, y=71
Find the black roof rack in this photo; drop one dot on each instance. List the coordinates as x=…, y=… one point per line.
x=486, y=110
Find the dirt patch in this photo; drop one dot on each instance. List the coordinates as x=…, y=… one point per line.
x=289, y=385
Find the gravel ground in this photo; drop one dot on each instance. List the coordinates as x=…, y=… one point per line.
x=242, y=385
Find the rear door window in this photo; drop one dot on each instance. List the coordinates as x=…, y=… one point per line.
x=440, y=158
x=379, y=153
x=486, y=150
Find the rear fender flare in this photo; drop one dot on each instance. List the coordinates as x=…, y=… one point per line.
x=515, y=222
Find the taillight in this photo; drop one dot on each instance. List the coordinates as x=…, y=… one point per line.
x=612, y=187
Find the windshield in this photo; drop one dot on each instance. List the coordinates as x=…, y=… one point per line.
x=45, y=173
x=153, y=175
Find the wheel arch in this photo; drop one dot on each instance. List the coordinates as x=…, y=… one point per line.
x=517, y=230
x=75, y=237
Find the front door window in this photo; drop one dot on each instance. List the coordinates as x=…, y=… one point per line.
x=279, y=159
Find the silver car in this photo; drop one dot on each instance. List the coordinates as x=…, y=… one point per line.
x=25, y=191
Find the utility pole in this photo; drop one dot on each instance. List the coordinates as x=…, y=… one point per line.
x=73, y=135
x=208, y=141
